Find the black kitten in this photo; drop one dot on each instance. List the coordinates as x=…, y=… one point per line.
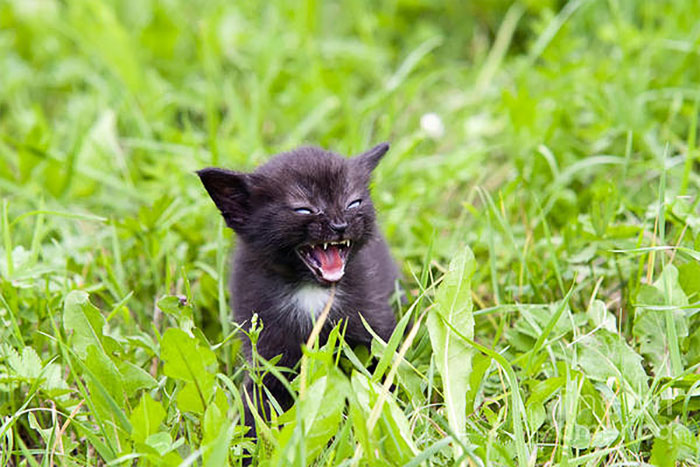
x=305, y=221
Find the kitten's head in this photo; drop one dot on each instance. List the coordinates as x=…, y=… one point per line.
x=304, y=212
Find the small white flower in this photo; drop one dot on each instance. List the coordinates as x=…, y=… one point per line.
x=432, y=125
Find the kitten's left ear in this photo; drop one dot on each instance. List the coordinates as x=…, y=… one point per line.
x=368, y=160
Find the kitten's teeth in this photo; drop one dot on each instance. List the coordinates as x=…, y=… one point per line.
x=325, y=246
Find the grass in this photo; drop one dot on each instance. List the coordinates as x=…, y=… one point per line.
x=565, y=158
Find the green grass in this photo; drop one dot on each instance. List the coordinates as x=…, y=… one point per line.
x=568, y=165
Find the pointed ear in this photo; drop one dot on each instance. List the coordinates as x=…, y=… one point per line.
x=369, y=159
x=231, y=193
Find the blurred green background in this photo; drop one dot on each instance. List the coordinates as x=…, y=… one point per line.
x=107, y=108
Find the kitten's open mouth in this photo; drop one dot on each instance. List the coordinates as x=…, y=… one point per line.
x=326, y=260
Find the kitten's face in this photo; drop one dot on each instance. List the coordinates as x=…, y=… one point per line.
x=305, y=212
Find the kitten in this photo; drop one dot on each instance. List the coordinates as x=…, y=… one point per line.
x=305, y=222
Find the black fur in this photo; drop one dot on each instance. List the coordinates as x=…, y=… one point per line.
x=260, y=205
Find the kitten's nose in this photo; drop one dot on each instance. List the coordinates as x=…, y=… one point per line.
x=339, y=226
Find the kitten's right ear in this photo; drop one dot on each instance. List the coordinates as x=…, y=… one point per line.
x=368, y=160
x=231, y=193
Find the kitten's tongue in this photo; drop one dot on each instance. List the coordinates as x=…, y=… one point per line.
x=332, y=264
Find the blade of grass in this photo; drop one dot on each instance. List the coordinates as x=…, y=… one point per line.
x=548, y=329
x=7, y=239
x=691, y=150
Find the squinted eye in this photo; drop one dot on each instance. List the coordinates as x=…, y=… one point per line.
x=302, y=210
x=355, y=204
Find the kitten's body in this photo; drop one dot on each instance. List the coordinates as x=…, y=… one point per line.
x=288, y=306
x=287, y=259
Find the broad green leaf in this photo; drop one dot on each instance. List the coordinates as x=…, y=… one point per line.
x=535, y=415
x=452, y=355
x=604, y=355
x=214, y=420
x=599, y=316
x=410, y=381
x=194, y=397
x=539, y=395
x=162, y=442
x=54, y=382
x=581, y=437
x=689, y=279
x=86, y=322
x=392, y=432
x=146, y=418
x=481, y=364
x=105, y=385
x=544, y=390
x=693, y=353
x=605, y=437
x=134, y=378
x=343, y=441
x=104, y=381
x=680, y=405
x=185, y=357
x=321, y=422
x=215, y=436
x=106, y=372
x=188, y=360
x=173, y=305
x=650, y=323
x=84, y=319
x=399, y=441
x=320, y=412
x=216, y=453
x=359, y=411
x=675, y=442
x=26, y=366
x=45, y=433
x=179, y=308
x=160, y=451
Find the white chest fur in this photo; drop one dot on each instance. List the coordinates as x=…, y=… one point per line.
x=308, y=301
